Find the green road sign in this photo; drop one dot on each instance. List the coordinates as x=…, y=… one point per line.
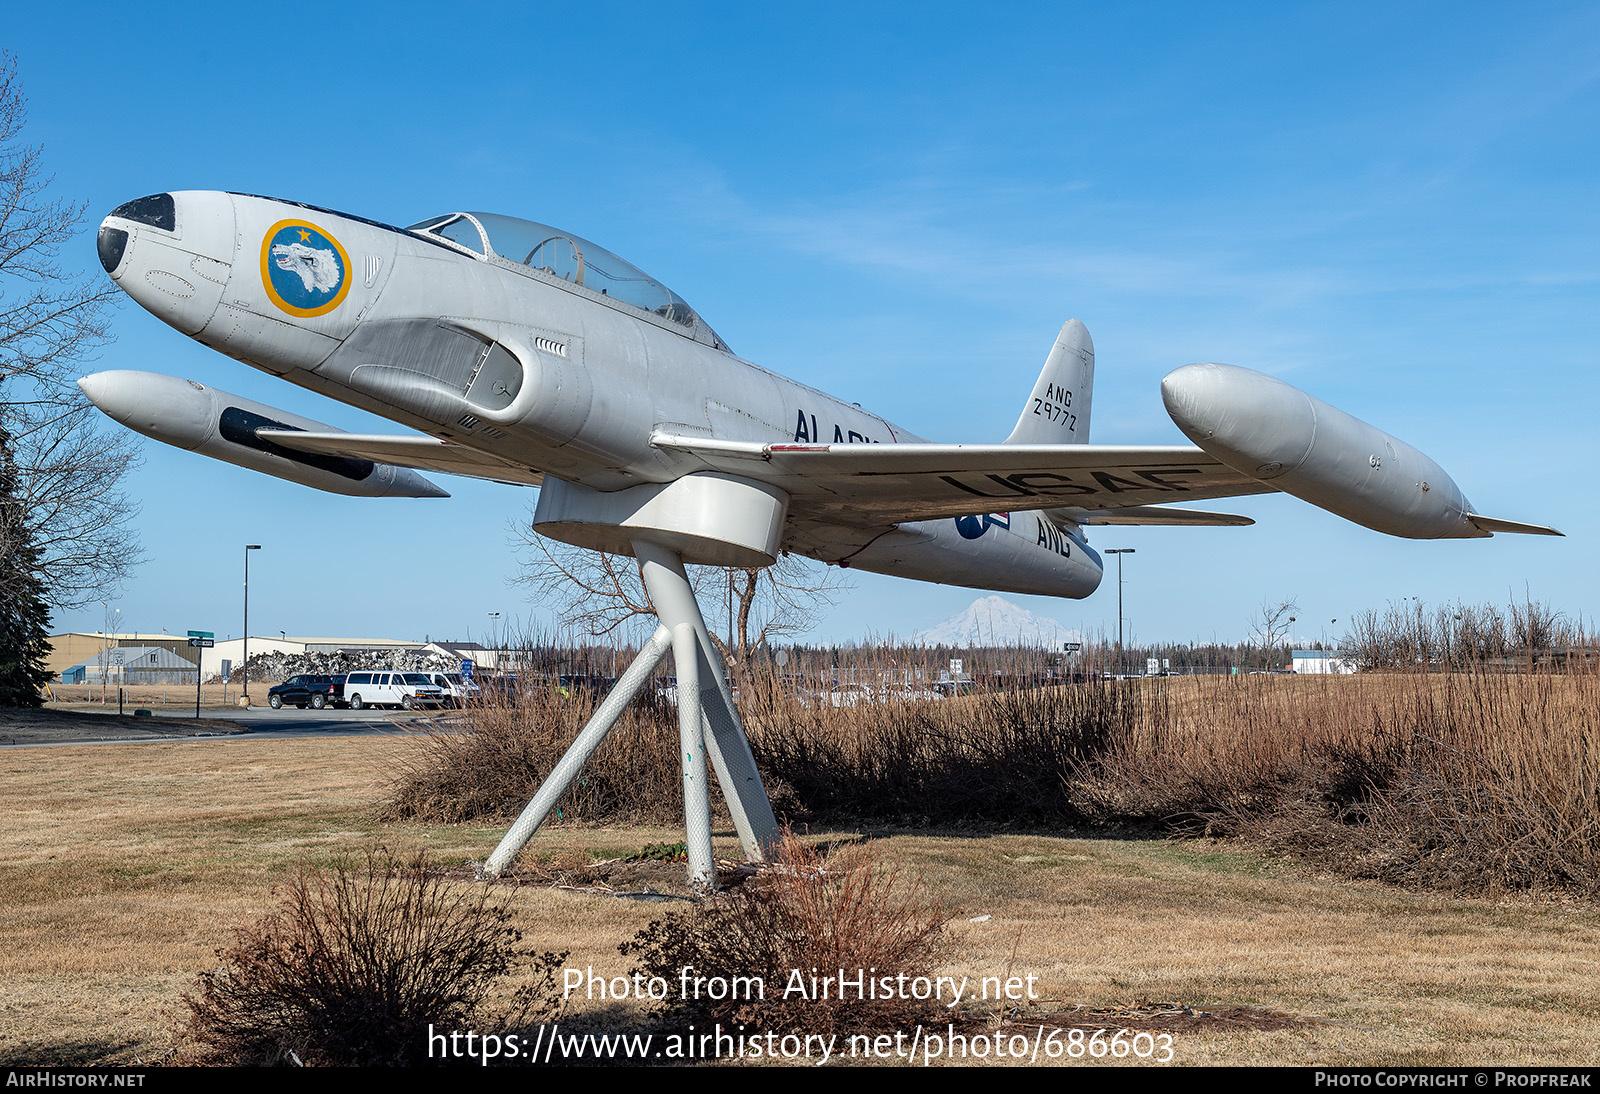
x=202, y=634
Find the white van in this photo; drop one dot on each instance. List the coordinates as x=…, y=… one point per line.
x=396, y=689
x=458, y=692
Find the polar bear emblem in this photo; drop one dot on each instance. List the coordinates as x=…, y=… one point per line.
x=317, y=267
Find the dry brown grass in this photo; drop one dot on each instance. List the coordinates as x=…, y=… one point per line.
x=998, y=759
x=1466, y=779
x=1459, y=779
x=493, y=769
x=123, y=869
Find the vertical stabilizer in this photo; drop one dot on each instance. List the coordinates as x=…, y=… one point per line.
x=1057, y=412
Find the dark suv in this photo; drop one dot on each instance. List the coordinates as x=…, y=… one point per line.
x=315, y=692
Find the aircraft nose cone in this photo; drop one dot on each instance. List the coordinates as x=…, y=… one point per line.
x=155, y=211
x=173, y=253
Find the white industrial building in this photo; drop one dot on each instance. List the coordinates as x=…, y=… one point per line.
x=1322, y=662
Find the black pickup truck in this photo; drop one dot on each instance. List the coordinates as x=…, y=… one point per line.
x=315, y=692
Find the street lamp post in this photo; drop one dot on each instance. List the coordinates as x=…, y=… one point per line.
x=105, y=649
x=1119, y=552
x=244, y=665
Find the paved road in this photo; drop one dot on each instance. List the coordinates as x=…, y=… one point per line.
x=293, y=722
x=44, y=728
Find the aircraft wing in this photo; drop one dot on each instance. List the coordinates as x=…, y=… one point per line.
x=875, y=484
x=418, y=452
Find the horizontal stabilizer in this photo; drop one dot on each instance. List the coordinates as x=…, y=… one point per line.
x=419, y=452
x=1494, y=524
x=1154, y=515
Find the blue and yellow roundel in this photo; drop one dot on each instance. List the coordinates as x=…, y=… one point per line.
x=305, y=270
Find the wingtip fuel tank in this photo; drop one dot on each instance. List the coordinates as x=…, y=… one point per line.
x=1275, y=433
x=214, y=423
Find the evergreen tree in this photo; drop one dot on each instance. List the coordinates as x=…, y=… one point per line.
x=24, y=616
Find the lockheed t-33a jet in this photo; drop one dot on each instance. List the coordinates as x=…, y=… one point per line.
x=526, y=354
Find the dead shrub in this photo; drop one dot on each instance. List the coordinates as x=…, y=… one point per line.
x=359, y=960
x=802, y=915
x=492, y=766
x=999, y=758
x=1467, y=779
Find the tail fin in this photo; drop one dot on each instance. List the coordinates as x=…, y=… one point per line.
x=1058, y=410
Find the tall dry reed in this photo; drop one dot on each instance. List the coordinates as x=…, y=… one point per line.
x=492, y=767
x=1463, y=778
x=1462, y=770
x=1001, y=758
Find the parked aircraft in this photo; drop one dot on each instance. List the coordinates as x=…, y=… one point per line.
x=523, y=353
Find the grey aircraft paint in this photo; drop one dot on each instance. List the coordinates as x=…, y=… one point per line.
x=522, y=353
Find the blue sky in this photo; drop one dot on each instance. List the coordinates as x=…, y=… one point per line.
x=1392, y=206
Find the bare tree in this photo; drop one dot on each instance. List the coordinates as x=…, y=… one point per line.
x=782, y=600
x=596, y=594
x=1535, y=627
x=69, y=467
x=591, y=592
x=1368, y=642
x=1272, y=627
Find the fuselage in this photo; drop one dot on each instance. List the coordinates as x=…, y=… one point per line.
x=534, y=346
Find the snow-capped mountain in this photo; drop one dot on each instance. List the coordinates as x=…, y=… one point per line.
x=995, y=621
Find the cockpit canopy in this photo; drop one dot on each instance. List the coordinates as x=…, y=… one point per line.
x=570, y=258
